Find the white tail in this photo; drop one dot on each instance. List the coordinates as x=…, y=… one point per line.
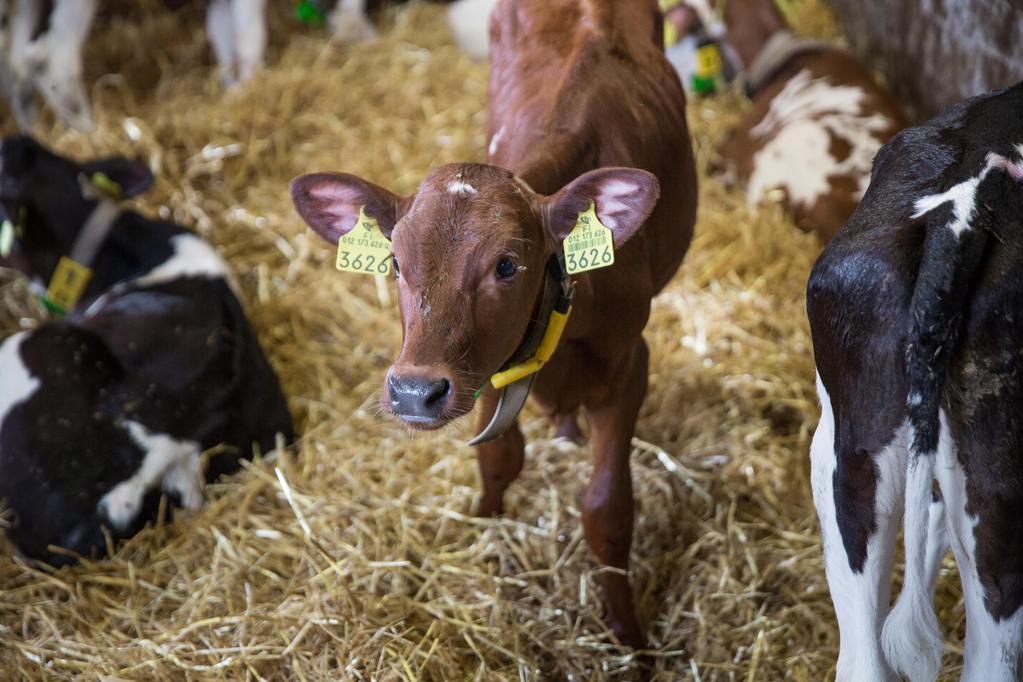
x=911, y=638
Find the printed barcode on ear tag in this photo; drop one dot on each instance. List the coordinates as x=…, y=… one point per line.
x=6, y=238
x=364, y=249
x=68, y=283
x=589, y=245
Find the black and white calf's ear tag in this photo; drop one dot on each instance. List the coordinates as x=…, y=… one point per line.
x=6, y=238
x=118, y=177
x=598, y=212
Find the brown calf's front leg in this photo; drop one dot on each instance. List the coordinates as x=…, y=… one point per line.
x=607, y=502
x=500, y=459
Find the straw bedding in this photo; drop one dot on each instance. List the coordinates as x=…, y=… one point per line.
x=359, y=557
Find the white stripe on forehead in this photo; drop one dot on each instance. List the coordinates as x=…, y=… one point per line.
x=460, y=187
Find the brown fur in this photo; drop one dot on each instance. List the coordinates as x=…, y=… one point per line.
x=576, y=85
x=750, y=24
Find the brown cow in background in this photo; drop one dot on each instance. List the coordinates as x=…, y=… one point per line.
x=818, y=119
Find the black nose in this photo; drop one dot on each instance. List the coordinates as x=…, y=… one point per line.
x=418, y=399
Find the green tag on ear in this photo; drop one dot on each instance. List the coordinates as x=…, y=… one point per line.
x=590, y=245
x=6, y=238
x=106, y=186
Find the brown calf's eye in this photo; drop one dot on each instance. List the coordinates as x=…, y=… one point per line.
x=506, y=269
x=397, y=270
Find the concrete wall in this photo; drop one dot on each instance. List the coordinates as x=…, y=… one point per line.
x=937, y=52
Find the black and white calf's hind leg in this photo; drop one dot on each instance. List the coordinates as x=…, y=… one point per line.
x=992, y=576
x=238, y=35
x=858, y=496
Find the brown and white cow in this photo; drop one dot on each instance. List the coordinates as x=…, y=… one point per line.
x=818, y=118
x=584, y=112
x=916, y=309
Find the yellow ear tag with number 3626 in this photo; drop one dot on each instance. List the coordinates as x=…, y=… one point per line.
x=364, y=249
x=589, y=245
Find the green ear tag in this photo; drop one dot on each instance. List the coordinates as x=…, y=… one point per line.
x=364, y=249
x=309, y=13
x=589, y=245
x=106, y=186
x=6, y=238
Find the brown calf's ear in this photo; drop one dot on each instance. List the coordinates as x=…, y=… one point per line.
x=329, y=203
x=623, y=198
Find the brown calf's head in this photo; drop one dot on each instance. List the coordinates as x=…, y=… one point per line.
x=470, y=249
x=750, y=24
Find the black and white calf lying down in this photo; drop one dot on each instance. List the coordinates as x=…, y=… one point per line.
x=154, y=364
x=916, y=309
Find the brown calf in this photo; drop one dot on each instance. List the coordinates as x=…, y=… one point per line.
x=818, y=119
x=579, y=89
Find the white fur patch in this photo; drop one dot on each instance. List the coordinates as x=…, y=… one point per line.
x=470, y=24
x=17, y=384
x=495, y=141
x=992, y=649
x=861, y=599
x=349, y=23
x=911, y=636
x=193, y=257
x=53, y=62
x=250, y=32
x=963, y=194
x=798, y=128
x=237, y=32
x=459, y=187
x=170, y=463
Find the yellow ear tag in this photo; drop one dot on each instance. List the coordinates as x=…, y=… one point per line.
x=6, y=239
x=364, y=249
x=589, y=245
x=110, y=188
x=67, y=285
x=708, y=61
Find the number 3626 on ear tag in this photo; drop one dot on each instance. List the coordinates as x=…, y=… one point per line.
x=364, y=249
x=589, y=245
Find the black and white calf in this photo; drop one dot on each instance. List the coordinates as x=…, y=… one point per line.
x=916, y=309
x=42, y=41
x=154, y=364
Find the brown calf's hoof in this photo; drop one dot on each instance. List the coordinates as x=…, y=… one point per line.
x=567, y=427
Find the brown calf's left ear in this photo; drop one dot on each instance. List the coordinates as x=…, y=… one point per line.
x=329, y=203
x=623, y=198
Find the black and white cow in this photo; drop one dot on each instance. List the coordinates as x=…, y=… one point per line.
x=154, y=364
x=42, y=41
x=916, y=309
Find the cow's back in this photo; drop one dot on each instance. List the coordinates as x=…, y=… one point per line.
x=583, y=84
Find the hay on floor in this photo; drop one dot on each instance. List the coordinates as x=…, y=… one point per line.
x=360, y=557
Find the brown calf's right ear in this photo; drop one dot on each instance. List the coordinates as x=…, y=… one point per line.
x=623, y=199
x=329, y=203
